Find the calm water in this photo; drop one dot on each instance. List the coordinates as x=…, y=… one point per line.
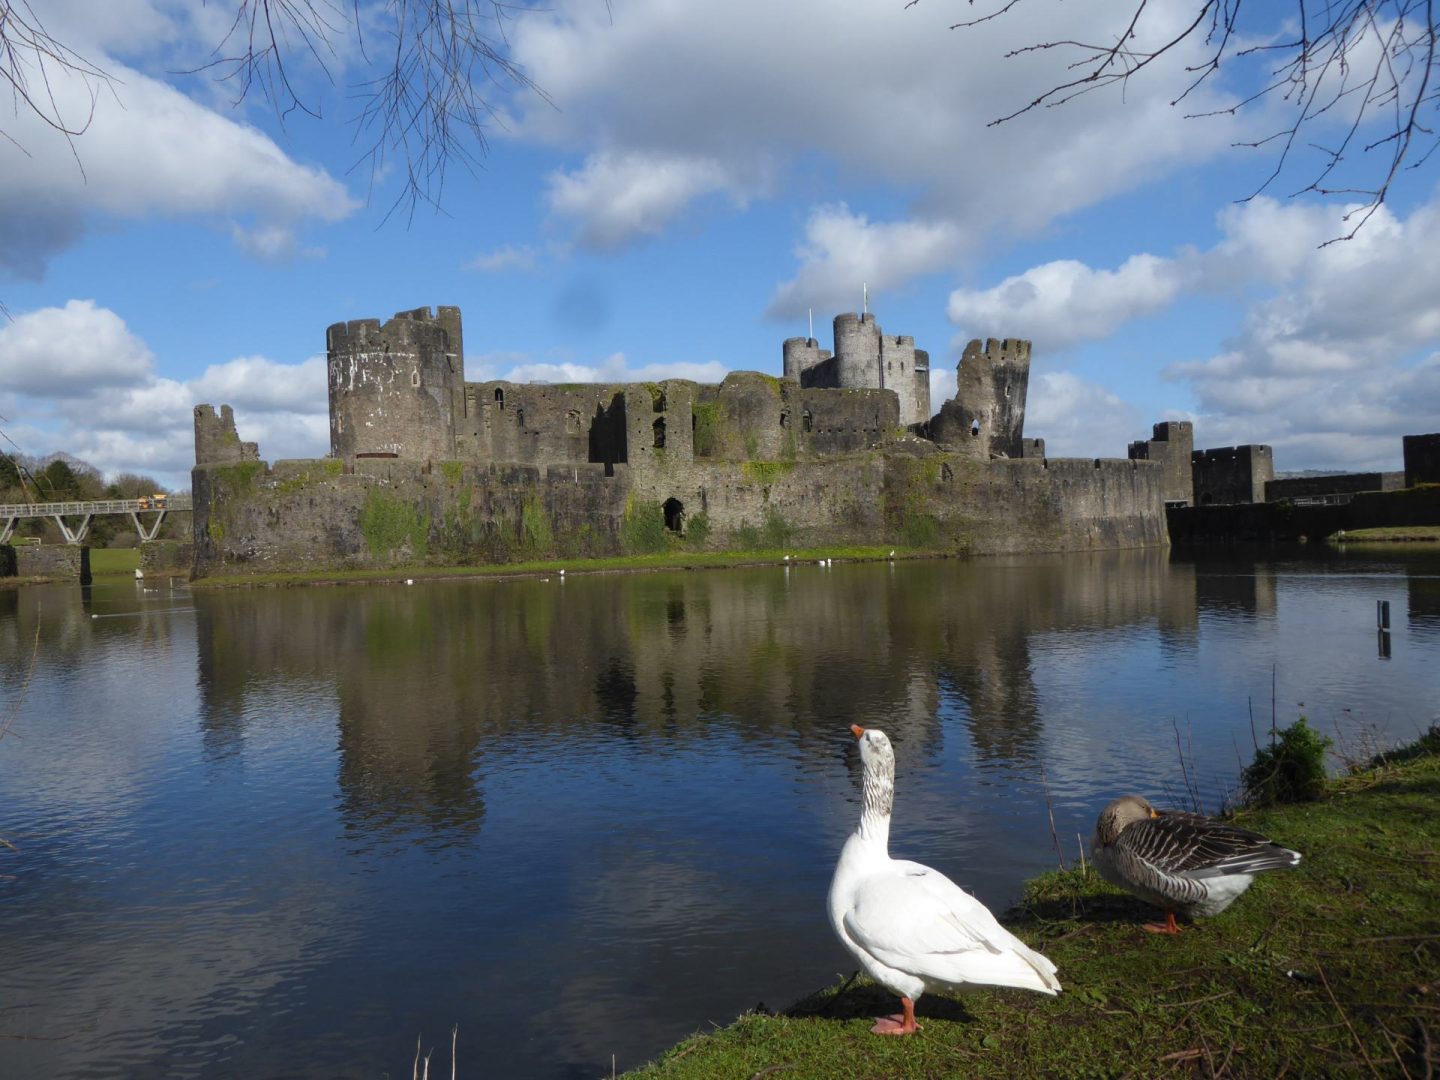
x=282, y=833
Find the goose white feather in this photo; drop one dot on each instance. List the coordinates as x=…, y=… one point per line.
x=911, y=928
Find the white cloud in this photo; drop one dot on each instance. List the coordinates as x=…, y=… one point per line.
x=1064, y=302
x=842, y=251
x=77, y=379
x=524, y=257
x=732, y=96
x=70, y=352
x=615, y=368
x=149, y=151
x=1078, y=418
x=272, y=243
x=617, y=198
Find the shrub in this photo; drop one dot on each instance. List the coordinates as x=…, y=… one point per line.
x=1290, y=769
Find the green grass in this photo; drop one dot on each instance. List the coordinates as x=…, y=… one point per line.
x=1326, y=970
x=665, y=560
x=1391, y=534
x=114, y=560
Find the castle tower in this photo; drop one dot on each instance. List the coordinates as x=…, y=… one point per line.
x=987, y=415
x=396, y=390
x=1173, y=446
x=801, y=355
x=857, y=352
x=216, y=440
x=906, y=370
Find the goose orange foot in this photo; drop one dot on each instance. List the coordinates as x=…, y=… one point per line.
x=1169, y=926
x=903, y=1024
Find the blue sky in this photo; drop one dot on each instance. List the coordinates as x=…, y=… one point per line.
x=702, y=176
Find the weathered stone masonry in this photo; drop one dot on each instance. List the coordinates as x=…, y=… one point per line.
x=426, y=467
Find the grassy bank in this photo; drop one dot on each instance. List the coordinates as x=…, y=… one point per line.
x=662, y=561
x=1397, y=534
x=1332, y=969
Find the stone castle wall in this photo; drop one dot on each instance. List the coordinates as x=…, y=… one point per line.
x=426, y=468
x=1422, y=459
x=1231, y=474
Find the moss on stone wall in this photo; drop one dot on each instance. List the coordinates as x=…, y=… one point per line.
x=642, y=529
x=387, y=524
x=239, y=476
x=707, y=420
x=536, y=537
x=453, y=471
x=765, y=473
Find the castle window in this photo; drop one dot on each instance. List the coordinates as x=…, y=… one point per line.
x=520, y=418
x=658, y=430
x=807, y=421
x=974, y=428
x=499, y=397
x=415, y=377
x=784, y=418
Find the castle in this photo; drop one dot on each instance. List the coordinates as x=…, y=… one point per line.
x=843, y=449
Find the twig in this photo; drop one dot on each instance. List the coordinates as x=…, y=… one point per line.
x=1050, y=810
x=1353, y=1033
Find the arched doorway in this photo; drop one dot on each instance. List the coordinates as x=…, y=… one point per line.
x=674, y=515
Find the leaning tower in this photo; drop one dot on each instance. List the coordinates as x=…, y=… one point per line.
x=394, y=389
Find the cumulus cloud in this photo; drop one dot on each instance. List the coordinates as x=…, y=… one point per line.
x=1064, y=302
x=1078, y=418
x=70, y=352
x=617, y=198
x=615, y=368
x=149, y=151
x=843, y=251
x=672, y=107
x=76, y=378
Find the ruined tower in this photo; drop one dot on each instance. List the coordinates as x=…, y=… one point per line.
x=395, y=389
x=1172, y=445
x=987, y=415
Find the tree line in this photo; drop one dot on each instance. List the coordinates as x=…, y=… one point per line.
x=62, y=478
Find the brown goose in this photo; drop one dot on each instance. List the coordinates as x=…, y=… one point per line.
x=1178, y=861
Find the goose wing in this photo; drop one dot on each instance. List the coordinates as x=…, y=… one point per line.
x=1199, y=847
x=915, y=919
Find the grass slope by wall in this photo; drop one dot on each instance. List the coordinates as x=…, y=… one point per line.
x=1332, y=969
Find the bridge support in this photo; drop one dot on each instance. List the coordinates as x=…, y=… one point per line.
x=148, y=534
x=8, y=529
x=78, y=534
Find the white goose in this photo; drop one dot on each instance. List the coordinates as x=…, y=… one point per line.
x=911, y=927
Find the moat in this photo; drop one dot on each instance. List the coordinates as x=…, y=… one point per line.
x=285, y=831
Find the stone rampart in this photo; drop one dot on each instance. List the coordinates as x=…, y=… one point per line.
x=63, y=562
x=1172, y=445
x=1319, y=487
x=1231, y=474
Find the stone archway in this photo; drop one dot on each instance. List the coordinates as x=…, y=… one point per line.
x=674, y=515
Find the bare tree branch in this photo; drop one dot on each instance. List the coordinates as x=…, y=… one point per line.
x=1368, y=65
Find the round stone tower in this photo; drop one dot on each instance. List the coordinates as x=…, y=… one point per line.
x=394, y=389
x=857, y=351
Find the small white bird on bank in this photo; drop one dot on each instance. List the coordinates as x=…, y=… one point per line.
x=911, y=927
x=1180, y=862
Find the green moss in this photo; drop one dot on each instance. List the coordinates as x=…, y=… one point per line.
x=918, y=530
x=333, y=467
x=536, y=536
x=707, y=420
x=453, y=471
x=387, y=524
x=752, y=447
x=765, y=473
x=697, y=529
x=775, y=532
x=238, y=476
x=215, y=529
x=642, y=528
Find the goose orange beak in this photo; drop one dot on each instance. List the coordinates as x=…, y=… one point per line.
x=857, y=730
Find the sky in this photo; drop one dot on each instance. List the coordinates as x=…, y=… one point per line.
x=694, y=183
